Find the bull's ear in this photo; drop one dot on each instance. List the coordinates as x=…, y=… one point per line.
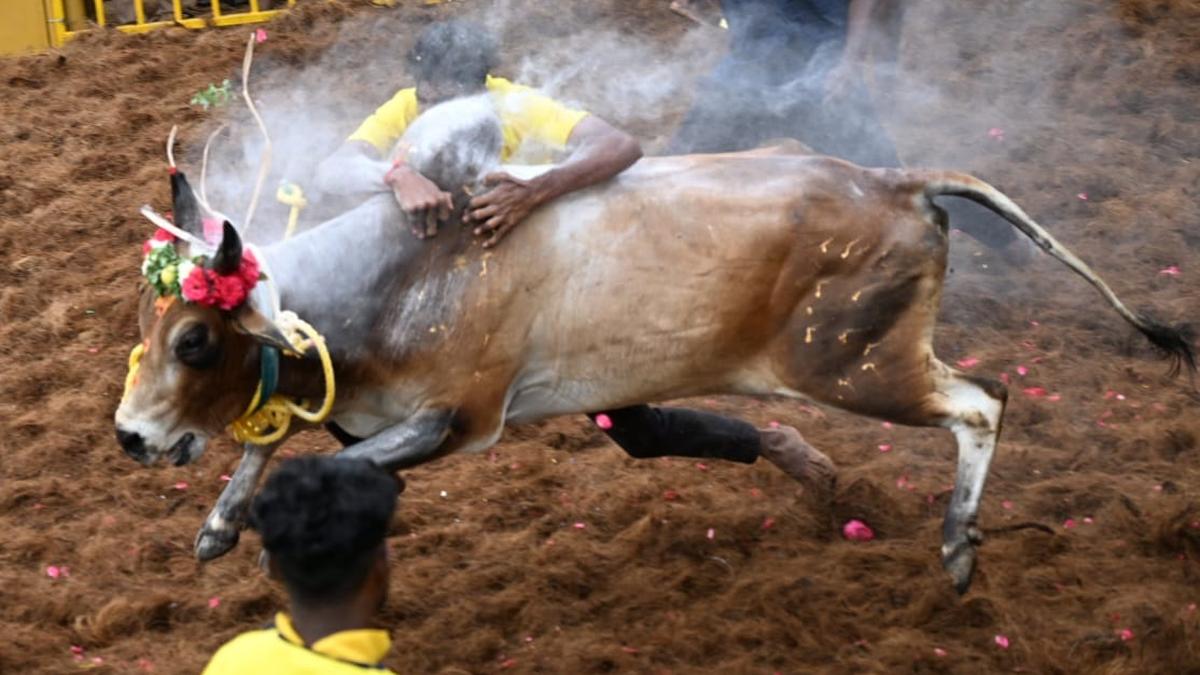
x=228, y=258
x=185, y=206
x=254, y=323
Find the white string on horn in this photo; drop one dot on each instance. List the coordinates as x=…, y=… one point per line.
x=156, y=218
x=204, y=168
x=264, y=164
x=171, y=145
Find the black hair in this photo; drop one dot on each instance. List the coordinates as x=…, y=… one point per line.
x=458, y=51
x=322, y=521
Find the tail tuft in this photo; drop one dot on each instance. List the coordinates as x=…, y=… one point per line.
x=1175, y=343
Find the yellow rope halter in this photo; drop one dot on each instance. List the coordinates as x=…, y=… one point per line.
x=265, y=425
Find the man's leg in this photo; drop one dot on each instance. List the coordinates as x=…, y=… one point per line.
x=646, y=432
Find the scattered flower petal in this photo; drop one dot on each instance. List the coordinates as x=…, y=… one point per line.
x=260, y=35
x=1172, y=271
x=885, y=447
x=630, y=650
x=996, y=133
x=1191, y=607
x=507, y=663
x=1002, y=641
x=1022, y=371
x=968, y=362
x=1088, y=520
x=214, y=602
x=443, y=494
x=773, y=424
x=670, y=495
x=1082, y=196
x=181, y=485
x=1125, y=634
x=1004, y=378
x=225, y=478
x=53, y=572
x=1068, y=523
x=702, y=466
x=604, y=421
x=886, y=425
x=145, y=665
x=711, y=533
x=857, y=530
x=93, y=350
x=1054, y=397
x=768, y=523
x=755, y=492
x=938, y=651
x=76, y=650
x=1034, y=392
x=1158, y=488
x=580, y=526
x=1007, y=504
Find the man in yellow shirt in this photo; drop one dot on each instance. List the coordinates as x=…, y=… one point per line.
x=453, y=59
x=323, y=521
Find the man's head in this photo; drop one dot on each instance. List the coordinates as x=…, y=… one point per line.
x=451, y=59
x=323, y=521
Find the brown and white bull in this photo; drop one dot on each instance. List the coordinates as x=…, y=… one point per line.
x=758, y=273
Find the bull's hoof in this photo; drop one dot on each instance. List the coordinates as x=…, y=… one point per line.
x=211, y=544
x=960, y=564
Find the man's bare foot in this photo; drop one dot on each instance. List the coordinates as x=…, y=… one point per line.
x=785, y=448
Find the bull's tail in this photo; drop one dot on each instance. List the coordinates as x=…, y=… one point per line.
x=1173, y=341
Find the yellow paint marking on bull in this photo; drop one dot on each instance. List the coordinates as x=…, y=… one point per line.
x=870, y=346
x=819, y=285
x=868, y=366
x=846, y=253
x=856, y=296
x=825, y=245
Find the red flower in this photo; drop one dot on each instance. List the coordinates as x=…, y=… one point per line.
x=229, y=291
x=196, y=287
x=159, y=235
x=249, y=271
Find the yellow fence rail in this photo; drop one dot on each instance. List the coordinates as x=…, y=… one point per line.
x=68, y=18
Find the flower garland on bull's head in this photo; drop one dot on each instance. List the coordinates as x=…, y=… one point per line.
x=223, y=280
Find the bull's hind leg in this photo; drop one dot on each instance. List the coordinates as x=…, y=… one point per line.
x=971, y=408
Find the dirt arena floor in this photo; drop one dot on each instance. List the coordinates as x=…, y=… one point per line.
x=555, y=553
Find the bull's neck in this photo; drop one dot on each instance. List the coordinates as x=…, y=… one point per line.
x=342, y=276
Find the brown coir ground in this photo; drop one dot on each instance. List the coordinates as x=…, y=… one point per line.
x=678, y=567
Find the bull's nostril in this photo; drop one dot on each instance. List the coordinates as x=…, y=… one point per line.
x=132, y=443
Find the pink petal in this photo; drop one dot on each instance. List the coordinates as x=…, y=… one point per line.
x=1082, y=196
x=885, y=447
x=53, y=572
x=260, y=35
x=630, y=650
x=1158, y=488
x=968, y=362
x=768, y=523
x=1002, y=641
x=214, y=602
x=773, y=424
x=886, y=425
x=670, y=495
x=1191, y=607
x=1172, y=271
x=755, y=492
x=1125, y=634
x=1088, y=520
x=1007, y=504
x=711, y=533
x=939, y=651
x=902, y=482
x=98, y=660
x=225, y=478
x=1022, y=371
x=580, y=526
x=1054, y=397
x=146, y=665
x=76, y=649
x=996, y=132
x=1068, y=523
x=1034, y=324
x=1034, y=392
x=1004, y=378
x=604, y=421
x=93, y=350
x=857, y=530
x=508, y=663
x=702, y=466
x=181, y=485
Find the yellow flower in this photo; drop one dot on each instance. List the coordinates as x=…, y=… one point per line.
x=168, y=275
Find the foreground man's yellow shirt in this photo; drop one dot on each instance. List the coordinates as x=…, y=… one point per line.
x=525, y=115
x=280, y=649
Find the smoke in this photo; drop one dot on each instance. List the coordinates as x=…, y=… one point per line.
x=643, y=84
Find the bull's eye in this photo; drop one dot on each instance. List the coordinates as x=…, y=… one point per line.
x=196, y=348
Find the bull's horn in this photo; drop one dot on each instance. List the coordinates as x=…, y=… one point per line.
x=184, y=205
x=228, y=258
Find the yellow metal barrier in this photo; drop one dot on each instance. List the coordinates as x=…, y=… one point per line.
x=68, y=18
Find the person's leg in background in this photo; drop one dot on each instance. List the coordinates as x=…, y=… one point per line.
x=646, y=432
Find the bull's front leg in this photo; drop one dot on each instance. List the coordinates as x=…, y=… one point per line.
x=225, y=522
x=414, y=441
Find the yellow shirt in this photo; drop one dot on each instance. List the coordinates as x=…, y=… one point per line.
x=525, y=115
x=280, y=649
